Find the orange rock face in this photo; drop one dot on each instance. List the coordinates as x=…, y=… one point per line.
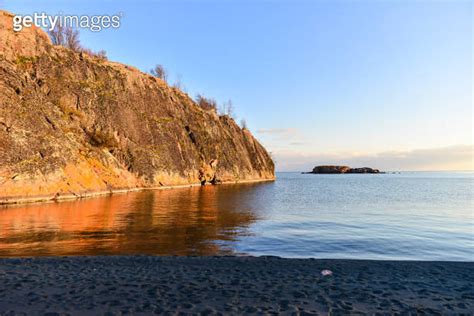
x=71, y=124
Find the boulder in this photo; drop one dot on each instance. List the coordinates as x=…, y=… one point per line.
x=208, y=173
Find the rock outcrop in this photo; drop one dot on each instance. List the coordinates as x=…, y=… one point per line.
x=328, y=169
x=72, y=125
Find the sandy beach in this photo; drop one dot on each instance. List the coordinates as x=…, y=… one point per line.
x=232, y=285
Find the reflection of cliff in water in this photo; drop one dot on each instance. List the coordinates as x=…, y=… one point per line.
x=199, y=220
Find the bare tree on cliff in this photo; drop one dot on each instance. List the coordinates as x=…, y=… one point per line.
x=227, y=108
x=243, y=124
x=69, y=37
x=66, y=36
x=179, y=83
x=159, y=72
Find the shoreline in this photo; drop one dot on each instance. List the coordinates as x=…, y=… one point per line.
x=232, y=285
x=51, y=198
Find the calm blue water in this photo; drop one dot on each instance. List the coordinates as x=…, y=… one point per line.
x=419, y=216
x=416, y=216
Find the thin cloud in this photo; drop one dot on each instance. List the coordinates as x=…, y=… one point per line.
x=278, y=131
x=298, y=143
x=280, y=138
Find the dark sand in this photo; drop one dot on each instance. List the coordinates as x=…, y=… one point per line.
x=232, y=285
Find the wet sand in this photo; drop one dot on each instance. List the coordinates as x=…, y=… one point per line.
x=232, y=285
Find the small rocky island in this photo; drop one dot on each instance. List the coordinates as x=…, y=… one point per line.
x=328, y=169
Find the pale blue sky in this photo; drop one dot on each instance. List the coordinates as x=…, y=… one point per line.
x=355, y=82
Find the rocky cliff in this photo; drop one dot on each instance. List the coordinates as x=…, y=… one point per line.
x=71, y=125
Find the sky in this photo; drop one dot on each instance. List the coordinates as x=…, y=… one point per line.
x=385, y=84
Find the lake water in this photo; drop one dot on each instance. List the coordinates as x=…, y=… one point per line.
x=419, y=216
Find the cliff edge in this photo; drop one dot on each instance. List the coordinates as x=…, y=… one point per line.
x=75, y=125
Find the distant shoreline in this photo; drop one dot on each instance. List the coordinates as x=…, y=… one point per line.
x=233, y=285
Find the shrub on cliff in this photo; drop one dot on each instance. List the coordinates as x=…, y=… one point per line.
x=159, y=72
x=101, y=54
x=206, y=103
